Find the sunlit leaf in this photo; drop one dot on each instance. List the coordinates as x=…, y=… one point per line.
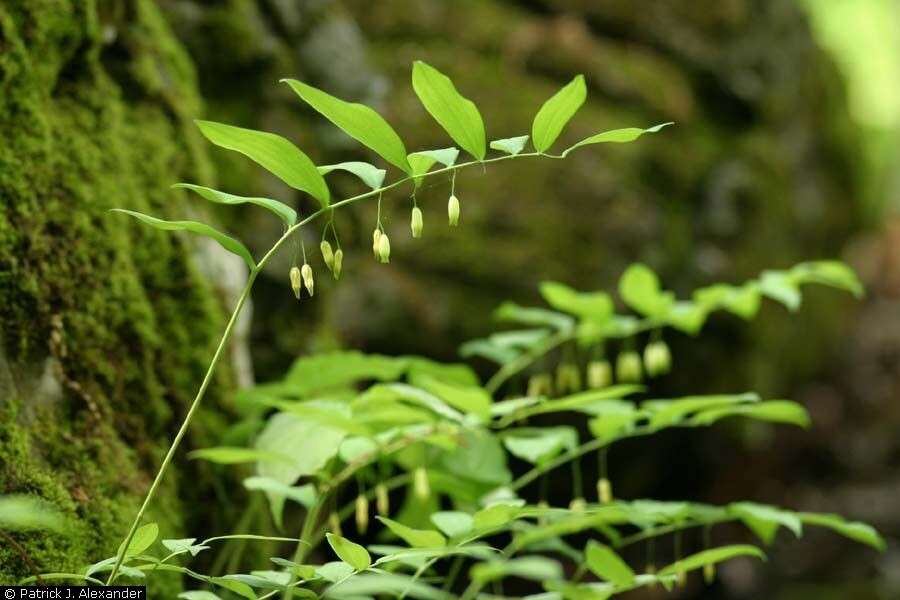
x=765, y=520
x=596, y=306
x=351, y=553
x=640, y=289
x=229, y=243
x=469, y=399
x=513, y=145
x=854, y=530
x=143, y=539
x=556, y=112
x=453, y=523
x=284, y=212
x=356, y=120
x=538, y=445
x=277, y=492
x=628, y=134
x=535, y=568
x=711, y=557
x=510, y=311
x=369, y=174
x=829, y=272
x=457, y=115
x=774, y=411
x=606, y=564
x=273, y=153
x=417, y=538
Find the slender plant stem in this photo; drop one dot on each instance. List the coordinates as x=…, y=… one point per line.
x=673, y=528
x=245, y=293
x=525, y=360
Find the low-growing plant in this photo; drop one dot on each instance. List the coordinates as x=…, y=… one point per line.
x=424, y=449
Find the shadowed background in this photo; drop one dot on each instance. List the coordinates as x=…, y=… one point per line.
x=784, y=150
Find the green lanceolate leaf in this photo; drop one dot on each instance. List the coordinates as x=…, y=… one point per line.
x=773, y=411
x=417, y=538
x=228, y=455
x=594, y=306
x=356, y=120
x=640, y=289
x=513, y=145
x=537, y=445
x=829, y=272
x=25, y=513
x=711, y=557
x=860, y=532
x=606, y=564
x=272, y=152
x=556, y=112
x=535, y=568
x=143, y=539
x=512, y=312
x=227, y=242
x=764, y=520
x=457, y=115
x=782, y=287
x=453, y=523
x=284, y=212
x=618, y=136
x=351, y=553
x=422, y=162
x=369, y=174
x=469, y=399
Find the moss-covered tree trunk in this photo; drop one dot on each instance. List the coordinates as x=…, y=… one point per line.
x=107, y=327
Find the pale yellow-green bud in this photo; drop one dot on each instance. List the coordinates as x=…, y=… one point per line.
x=376, y=238
x=542, y=519
x=384, y=248
x=578, y=505
x=362, y=513
x=415, y=222
x=334, y=523
x=307, y=273
x=535, y=386
x=296, y=283
x=599, y=374
x=604, y=491
x=382, y=500
x=628, y=367
x=327, y=254
x=338, y=263
x=681, y=579
x=709, y=573
x=453, y=211
x=421, y=486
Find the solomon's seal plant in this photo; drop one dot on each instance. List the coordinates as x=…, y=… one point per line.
x=454, y=473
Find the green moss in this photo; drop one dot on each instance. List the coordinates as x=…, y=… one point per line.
x=95, y=108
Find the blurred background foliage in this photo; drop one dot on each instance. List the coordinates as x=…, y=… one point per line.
x=785, y=149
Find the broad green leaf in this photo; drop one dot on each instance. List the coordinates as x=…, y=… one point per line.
x=513, y=145
x=238, y=587
x=510, y=311
x=183, y=546
x=606, y=564
x=774, y=411
x=742, y=301
x=780, y=286
x=469, y=399
x=227, y=242
x=198, y=595
x=457, y=115
x=230, y=455
x=485, y=348
x=143, y=539
x=860, y=532
x=829, y=272
x=369, y=174
x=556, y=112
x=494, y=516
x=612, y=425
x=420, y=165
x=277, y=492
x=309, y=444
x=284, y=212
x=520, y=338
x=319, y=372
x=711, y=557
x=479, y=457
x=453, y=523
x=538, y=445
x=686, y=316
x=665, y=413
x=417, y=538
x=386, y=585
x=535, y=568
x=459, y=373
x=573, y=523
x=351, y=553
x=356, y=120
x=589, y=402
x=273, y=153
x=334, y=571
x=445, y=156
x=764, y=520
x=594, y=306
x=639, y=288
x=628, y=134
x=416, y=557
x=19, y=512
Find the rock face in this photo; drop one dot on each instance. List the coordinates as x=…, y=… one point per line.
x=107, y=326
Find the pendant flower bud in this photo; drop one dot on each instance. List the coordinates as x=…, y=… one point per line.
x=296, y=284
x=604, y=491
x=421, y=486
x=307, y=273
x=415, y=222
x=599, y=374
x=338, y=263
x=453, y=211
x=382, y=500
x=709, y=573
x=376, y=238
x=327, y=254
x=384, y=248
x=628, y=367
x=578, y=505
x=362, y=513
x=334, y=523
x=657, y=358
